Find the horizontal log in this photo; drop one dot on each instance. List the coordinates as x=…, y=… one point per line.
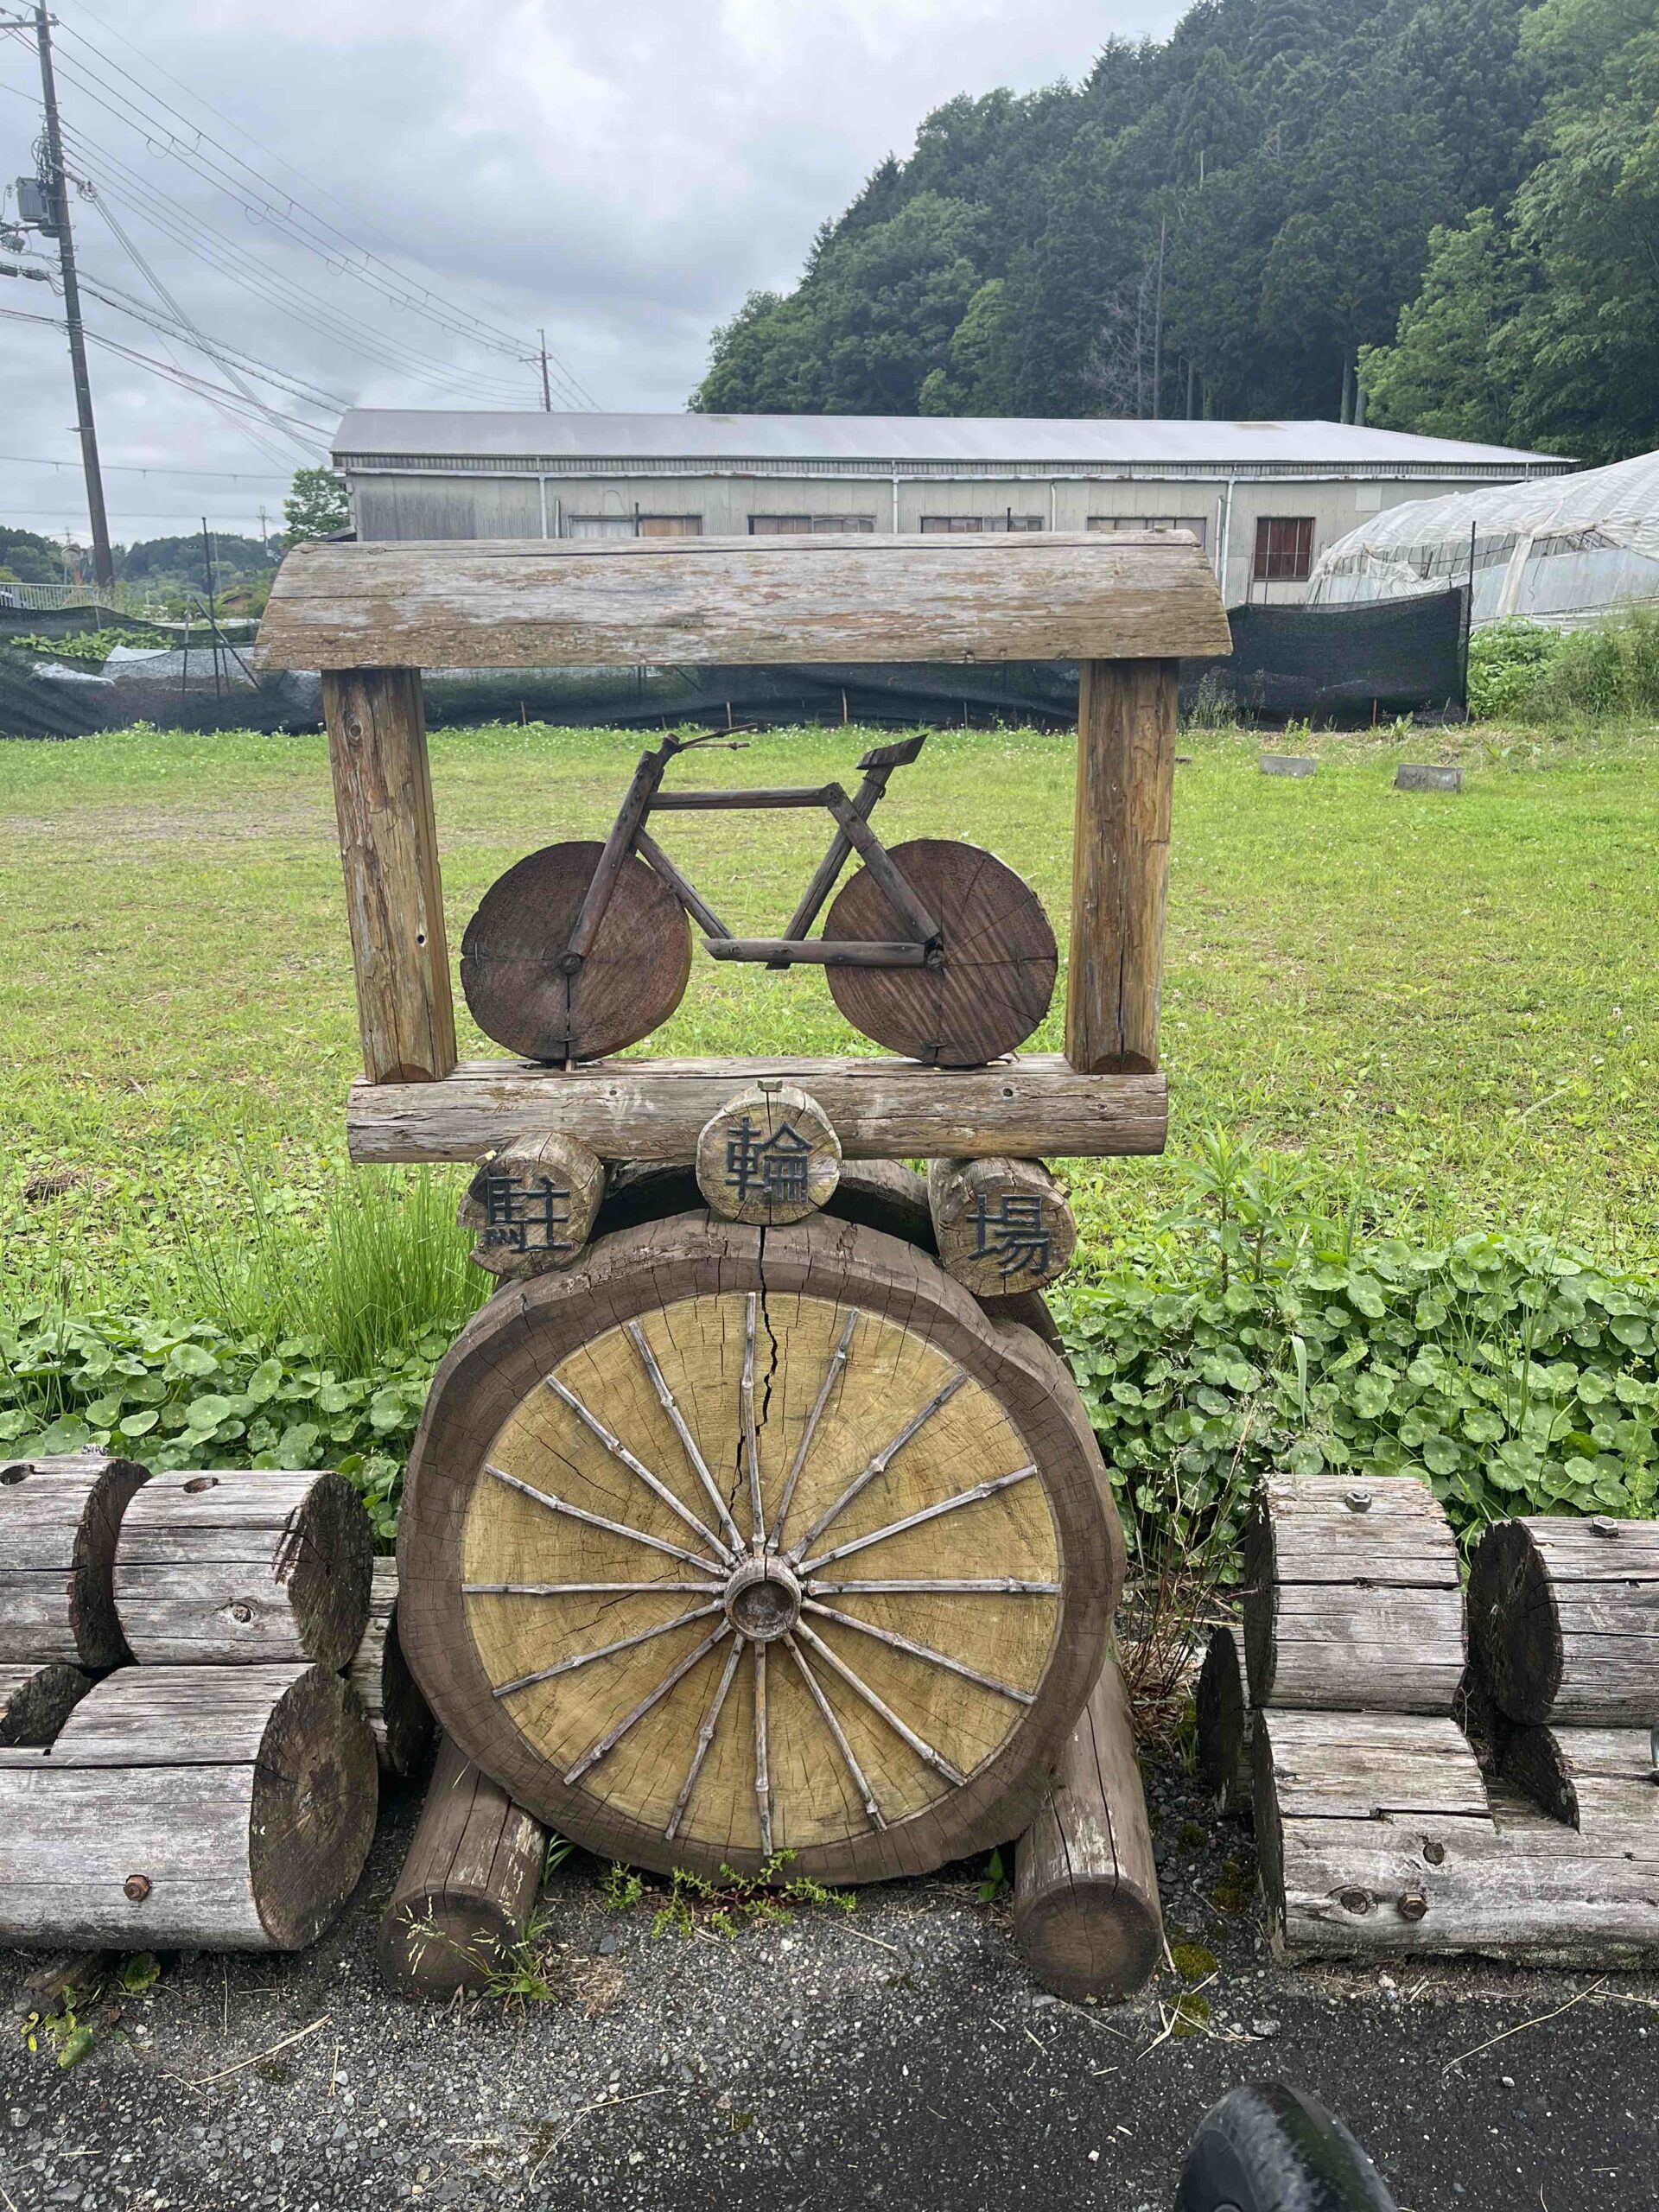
x=35, y=1702
x=59, y=1519
x=591, y=603
x=249, y=1567
x=400, y=1720
x=1086, y=1912
x=1377, y=1833
x=197, y=1808
x=1032, y=1107
x=468, y=1885
x=1225, y=1723
x=1352, y=1599
x=1564, y=1615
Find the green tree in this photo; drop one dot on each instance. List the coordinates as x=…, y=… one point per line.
x=317, y=505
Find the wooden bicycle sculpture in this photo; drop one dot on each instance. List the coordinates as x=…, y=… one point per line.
x=934, y=948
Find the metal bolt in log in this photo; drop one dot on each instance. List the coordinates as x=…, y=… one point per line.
x=1086, y=1911
x=237, y=1568
x=769, y=1157
x=205, y=1807
x=1562, y=1617
x=59, y=1519
x=532, y=1205
x=1001, y=1226
x=400, y=1720
x=467, y=1887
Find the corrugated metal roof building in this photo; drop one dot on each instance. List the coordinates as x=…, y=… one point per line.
x=1265, y=499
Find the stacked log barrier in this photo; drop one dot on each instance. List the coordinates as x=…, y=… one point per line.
x=231, y=1569
x=1225, y=1724
x=468, y=1885
x=58, y=1520
x=1565, y=1615
x=399, y=1717
x=222, y=1807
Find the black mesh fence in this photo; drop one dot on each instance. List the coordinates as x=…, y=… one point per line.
x=1342, y=666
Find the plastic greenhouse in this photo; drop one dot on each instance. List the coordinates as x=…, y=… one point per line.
x=1561, y=550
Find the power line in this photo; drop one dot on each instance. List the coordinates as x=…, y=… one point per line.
x=242, y=132
x=146, y=469
x=306, y=229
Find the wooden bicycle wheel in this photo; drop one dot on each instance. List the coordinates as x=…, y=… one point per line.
x=999, y=957
x=632, y=981
x=742, y=1543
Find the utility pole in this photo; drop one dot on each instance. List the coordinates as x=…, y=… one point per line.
x=58, y=186
x=547, y=389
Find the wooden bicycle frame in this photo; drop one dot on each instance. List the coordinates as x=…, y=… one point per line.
x=628, y=833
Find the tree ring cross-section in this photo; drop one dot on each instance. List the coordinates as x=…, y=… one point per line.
x=748, y=1541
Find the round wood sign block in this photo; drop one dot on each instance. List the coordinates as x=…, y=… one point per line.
x=996, y=977
x=758, y=1541
x=768, y=1157
x=531, y=1206
x=631, y=982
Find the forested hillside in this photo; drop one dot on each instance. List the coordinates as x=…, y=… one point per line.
x=1231, y=222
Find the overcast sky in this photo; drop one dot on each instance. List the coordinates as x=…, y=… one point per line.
x=622, y=173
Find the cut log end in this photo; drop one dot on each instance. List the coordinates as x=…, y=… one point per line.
x=35, y=1702
x=468, y=1885
x=1086, y=1914
x=60, y=1519
x=316, y=1792
x=1223, y=1710
x=531, y=1206
x=1001, y=1226
x=769, y=1157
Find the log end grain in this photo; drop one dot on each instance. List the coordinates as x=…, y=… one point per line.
x=315, y=1794
x=467, y=1887
x=60, y=1519
x=1086, y=1916
x=35, y=1702
x=1513, y=1623
x=1222, y=1709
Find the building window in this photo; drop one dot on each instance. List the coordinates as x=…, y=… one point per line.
x=1199, y=524
x=810, y=525
x=953, y=524
x=670, y=525
x=1284, y=550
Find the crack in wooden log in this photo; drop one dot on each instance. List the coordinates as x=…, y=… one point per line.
x=750, y=1442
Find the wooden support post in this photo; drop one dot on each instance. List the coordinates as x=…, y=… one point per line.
x=465, y=1896
x=1119, y=863
x=1086, y=1914
x=389, y=850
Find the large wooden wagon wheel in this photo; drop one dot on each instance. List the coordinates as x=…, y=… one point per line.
x=749, y=1541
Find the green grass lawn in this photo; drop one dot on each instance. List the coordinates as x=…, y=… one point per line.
x=1448, y=1005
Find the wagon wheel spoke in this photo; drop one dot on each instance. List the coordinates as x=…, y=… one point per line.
x=670, y=1406
x=922, y=1652
x=762, y=1757
x=750, y=1442
x=595, y=1520
x=605, y=1651
x=919, y=1744
x=619, y=1451
x=832, y=1376
x=989, y=1587
x=676, y=1674
x=915, y=1519
x=866, y=1794
x=582, y=1589
x=705, y=1736
x=882, y=1460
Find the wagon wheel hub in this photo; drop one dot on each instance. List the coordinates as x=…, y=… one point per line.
x=763, y=1600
